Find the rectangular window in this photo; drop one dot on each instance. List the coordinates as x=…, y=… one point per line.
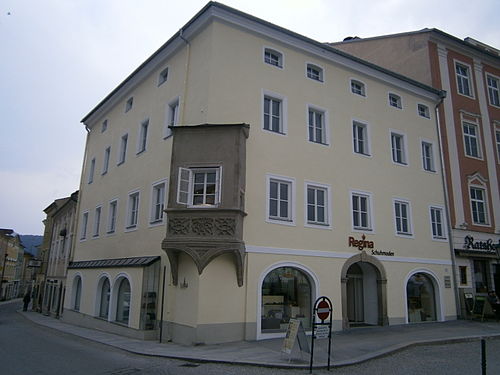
x=91, y=171
x=314, y=72
x=360, y=138
x=479, y=208
x=395, y=101
x=463, y=79
x=358, y=87
x=316, y=126
x=273, y=118
x=317, y=205
x=199, y=186
x=112, y=211
x=280, y=204
x=123, y=149
x=97, y=221
x=471, y=140
x=437, y=223
x=104, y=126
x=398, y=148
x=172, y=117
x=463, y=275
x=361, y=211
x=143, y=137
x=481, y=275
x=129, y=104
x=85, y=221
x=163, y=76
x=157, y=202
x=273, y=57
x=133, y=210
x=423, y=111
x=105, y=164
x=402, y=217
x=493, y=90
x=427, y=157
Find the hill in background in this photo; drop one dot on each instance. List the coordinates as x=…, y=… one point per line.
x=31, y=242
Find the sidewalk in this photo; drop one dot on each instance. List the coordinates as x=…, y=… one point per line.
x=348, y=347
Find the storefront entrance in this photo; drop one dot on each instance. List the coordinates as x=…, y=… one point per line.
x=421, y=298
x=364, y=300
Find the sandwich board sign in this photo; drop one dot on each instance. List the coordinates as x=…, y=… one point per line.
x=295, y=331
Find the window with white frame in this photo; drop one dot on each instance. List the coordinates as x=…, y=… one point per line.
x=104, y=126
x=172, y=117
x=97, y=221
x=273, y=114
x=133, y=210
x=317, y=205
x=358, y=87
x=361, y=211
x=314, y=72
x=398, y=148
x=423, y=111
x=316, y=126
x=273, y=57
x=157, y=202
x=91, y=171
x=112, y=212
x=428, y=157
x=85, y=221
x=395, y=101
x=199, y=186
x=143, y=137
x=471, y=139
x=105, y=163
x=280, y=200
x=463, y=79
x=129, y=104
x=163, y=76
x=493, y=90
x=478, y=205
x=437, y=223
x=123, y=149
x=402, y=217
x=360, y=139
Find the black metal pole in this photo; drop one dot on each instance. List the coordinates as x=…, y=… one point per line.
x=162, y=302
x=312, y=348
x=330, y=340
x=483, y=356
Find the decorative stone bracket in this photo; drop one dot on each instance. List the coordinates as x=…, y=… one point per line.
x=202, y=253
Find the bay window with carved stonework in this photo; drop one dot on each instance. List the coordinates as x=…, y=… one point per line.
x=205, y=210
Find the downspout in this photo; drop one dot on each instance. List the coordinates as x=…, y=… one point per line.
x=442, y=95
x=188, y=58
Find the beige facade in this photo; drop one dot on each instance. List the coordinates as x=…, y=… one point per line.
x=470, y=125
x=11, y=259
x=292, y=170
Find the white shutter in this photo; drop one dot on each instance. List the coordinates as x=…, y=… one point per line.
x=184, y=185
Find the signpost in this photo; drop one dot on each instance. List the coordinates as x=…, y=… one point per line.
x=323, y=310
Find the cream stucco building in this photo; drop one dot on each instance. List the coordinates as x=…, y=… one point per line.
x=244, y=170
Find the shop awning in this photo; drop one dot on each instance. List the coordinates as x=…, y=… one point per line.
x=113, y=263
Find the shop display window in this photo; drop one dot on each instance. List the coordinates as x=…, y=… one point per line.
x=420, y=299
x=286, y=294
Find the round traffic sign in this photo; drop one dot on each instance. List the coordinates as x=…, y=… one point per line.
x=323, y=310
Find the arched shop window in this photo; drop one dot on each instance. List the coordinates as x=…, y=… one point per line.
x=286, y=294
x=123, y=302
x=104, y=303
x=421, y=299
x=77, y=292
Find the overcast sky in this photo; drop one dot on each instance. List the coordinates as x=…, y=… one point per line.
x=59, y=58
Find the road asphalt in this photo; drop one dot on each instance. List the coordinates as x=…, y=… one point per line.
x=348, y=347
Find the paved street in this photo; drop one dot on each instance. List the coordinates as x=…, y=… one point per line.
x=27, y=348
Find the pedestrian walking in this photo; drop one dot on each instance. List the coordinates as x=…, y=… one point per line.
x=495, y=303
x=26, y=301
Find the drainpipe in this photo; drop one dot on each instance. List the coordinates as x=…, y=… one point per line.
x=188, y=57
x=447, y=207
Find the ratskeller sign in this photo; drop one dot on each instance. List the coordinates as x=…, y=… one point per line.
x=364, y=244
